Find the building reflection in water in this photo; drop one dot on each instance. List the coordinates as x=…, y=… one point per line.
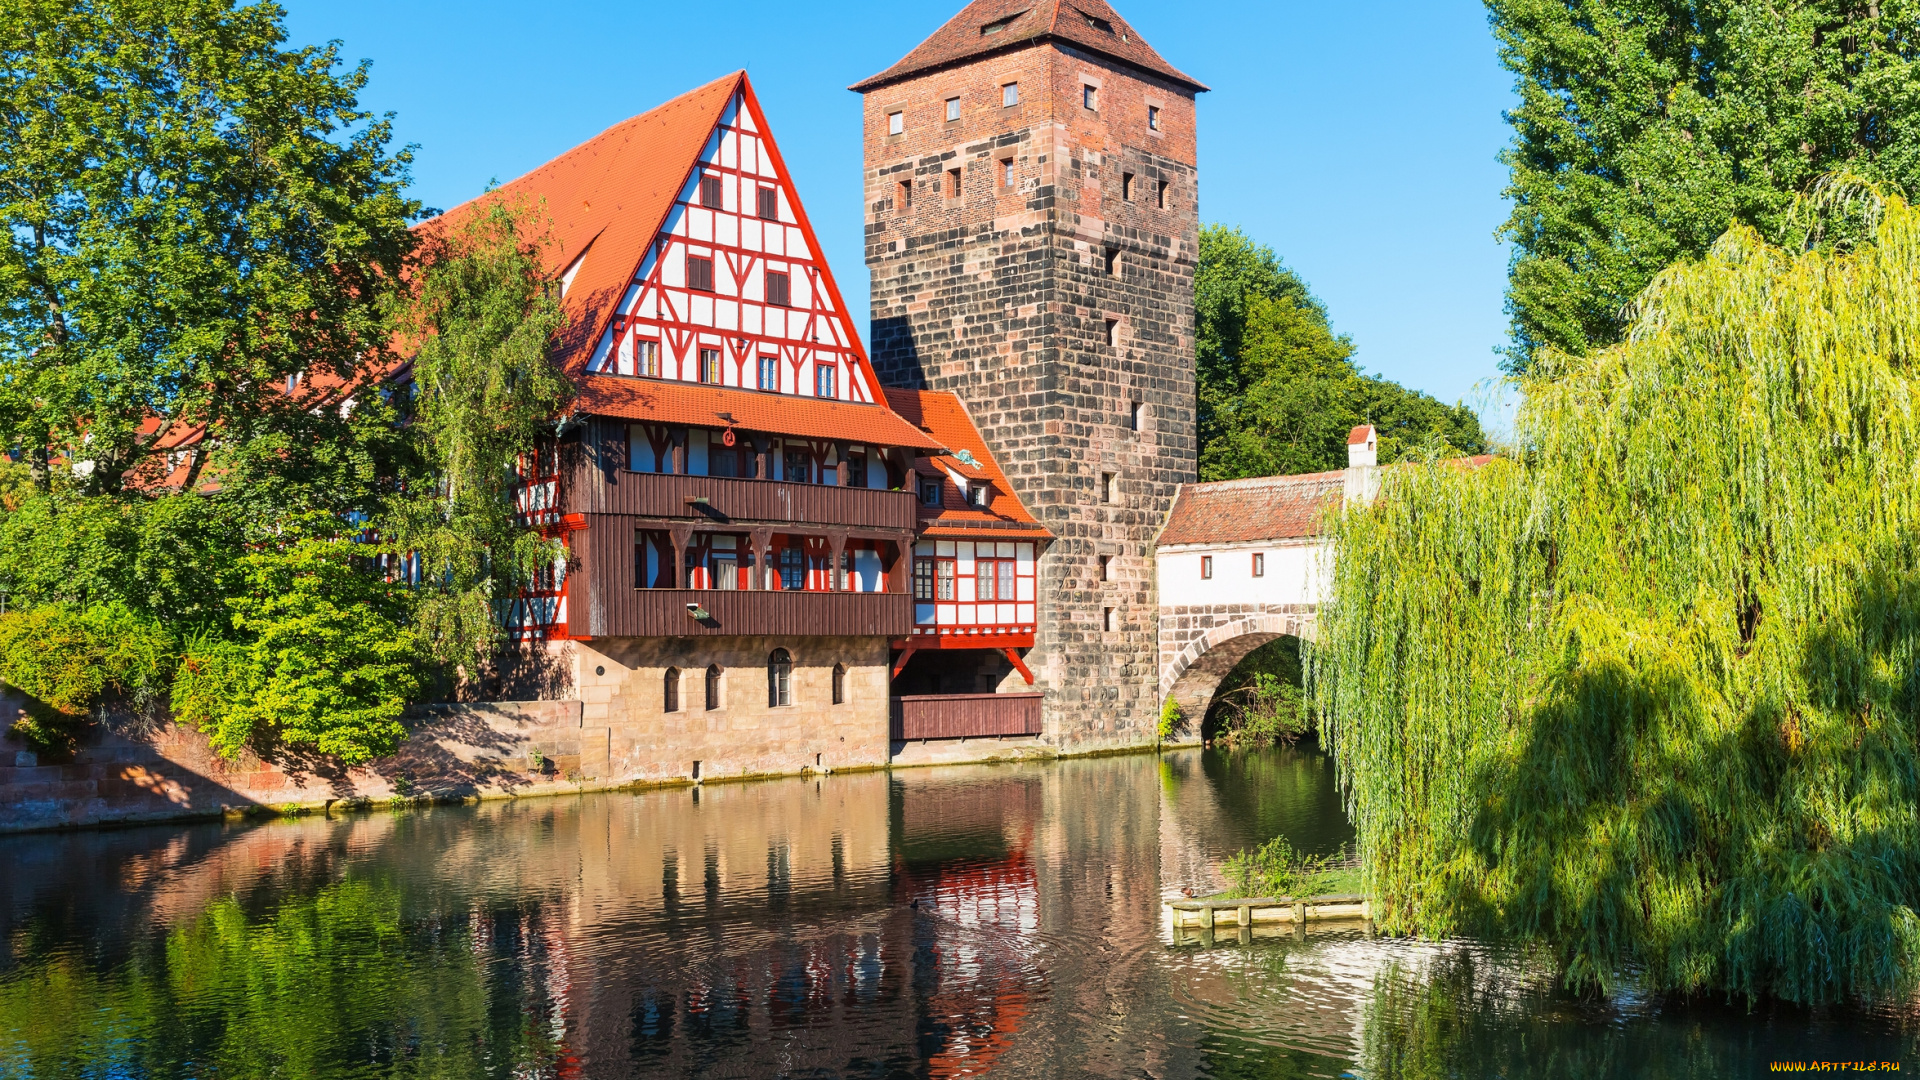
x=926, y=923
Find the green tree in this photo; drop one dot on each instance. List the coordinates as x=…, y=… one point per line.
x=1278, y=391
x=197, y=221
x=1646, y=696
x=1646, y=127
x=485, y=397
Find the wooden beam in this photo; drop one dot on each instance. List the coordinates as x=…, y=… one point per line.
x=1020, y=665
x=905, y=655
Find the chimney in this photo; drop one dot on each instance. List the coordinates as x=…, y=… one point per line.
x=1363, y=465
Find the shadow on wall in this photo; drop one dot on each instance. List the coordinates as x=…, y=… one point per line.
x=896, y=357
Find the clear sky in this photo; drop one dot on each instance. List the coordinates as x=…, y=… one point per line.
x=1358, y=140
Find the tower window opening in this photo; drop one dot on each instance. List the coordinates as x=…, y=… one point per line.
x=710, y=195
x=904, y=201
x=1113, y=262
x=1090, y=97
x=1137, y=418
x=1126, y=187
x=953, y=183
x=1106, y=568
x=896, y=123
x=1006, y=172
x=1009, y=95
x=1153, y=118
x=1109, y=488
x=1160, y=194
x=1110, y=618
x=1113, y=332
x=953, y=109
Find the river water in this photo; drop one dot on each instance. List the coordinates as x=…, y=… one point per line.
x=925, y=923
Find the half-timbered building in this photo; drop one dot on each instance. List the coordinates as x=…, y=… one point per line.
x=732, y=486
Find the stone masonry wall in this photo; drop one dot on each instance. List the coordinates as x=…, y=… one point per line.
x=1003, y=294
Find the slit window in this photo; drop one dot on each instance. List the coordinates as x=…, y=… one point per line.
x=953, y=108
x=1109, y=488
x=1259, y=564
x=904, y=200
x=1138, y=419
x=769, y=203
x=1160, y=194
x=953, y=183
x=1113, y=262
x=1009, y=95
x=1113, y=332
x=779, y=679
x=713, y=687
x=1106, y=568
x=700, y=273
x=1206, y=567
x=1110, y=618
x=779, y=288
x=710, y=195
x=1153, y=118
x=1126, y=187
x=1006, y=172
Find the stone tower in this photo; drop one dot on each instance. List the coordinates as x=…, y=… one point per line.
x=1032, y=230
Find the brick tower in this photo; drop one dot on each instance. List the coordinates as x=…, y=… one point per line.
x=1032, y=229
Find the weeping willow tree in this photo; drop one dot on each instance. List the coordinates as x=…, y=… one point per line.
x=1645, y=693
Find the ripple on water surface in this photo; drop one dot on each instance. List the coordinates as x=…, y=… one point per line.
x=930, y=923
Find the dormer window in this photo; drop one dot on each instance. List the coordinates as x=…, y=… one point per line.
x=1097, y=22
x=929, y=491
x=980, y=495
x=997, y=25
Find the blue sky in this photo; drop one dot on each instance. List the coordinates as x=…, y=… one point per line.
x=1358, y=140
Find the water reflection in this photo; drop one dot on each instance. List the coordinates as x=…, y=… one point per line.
x=931, y=923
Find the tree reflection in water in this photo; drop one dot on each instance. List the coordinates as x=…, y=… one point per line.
x=928, y=923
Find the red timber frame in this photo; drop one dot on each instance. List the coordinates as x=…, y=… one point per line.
x=679, y=336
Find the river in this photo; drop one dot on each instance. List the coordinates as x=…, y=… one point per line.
x=924, y=923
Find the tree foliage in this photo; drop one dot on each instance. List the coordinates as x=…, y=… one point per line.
x=193, y=216
x=1648, y=695
x=1646, y=127
x=1278, y=391
x=485, y=396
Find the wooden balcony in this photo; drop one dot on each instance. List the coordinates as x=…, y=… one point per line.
x=665, y=613
x=965, y=716
x=728, y=501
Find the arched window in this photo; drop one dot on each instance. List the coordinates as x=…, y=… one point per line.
x=713, y=687
x=779, y=679
x=670, y=691
x=839, y=684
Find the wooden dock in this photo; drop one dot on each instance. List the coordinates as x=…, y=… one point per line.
x=1204, y=917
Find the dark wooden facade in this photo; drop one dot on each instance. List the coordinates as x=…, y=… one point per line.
x=965, y=716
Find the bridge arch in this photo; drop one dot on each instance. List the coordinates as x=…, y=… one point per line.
x=1193, y=675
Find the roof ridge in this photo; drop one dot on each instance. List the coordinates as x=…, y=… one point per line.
x=1245, y=482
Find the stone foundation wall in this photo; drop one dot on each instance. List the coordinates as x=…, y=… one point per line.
x=622, y=683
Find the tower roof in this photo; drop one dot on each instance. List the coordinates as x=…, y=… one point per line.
x=990, y=26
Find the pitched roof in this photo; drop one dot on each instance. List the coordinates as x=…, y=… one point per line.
x=608, y=198
x=1260, y=508
x=669, y=401
x=942, y=415
x=1087, y=24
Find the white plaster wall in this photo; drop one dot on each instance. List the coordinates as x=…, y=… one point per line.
x=1296, y=573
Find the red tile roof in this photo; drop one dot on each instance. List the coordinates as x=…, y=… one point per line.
x=942, y=414
x=608, y=198
x=1261, y=508
x=669, y=401
x=1030, y=22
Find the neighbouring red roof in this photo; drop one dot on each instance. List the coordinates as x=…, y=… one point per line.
x=1359, y=435
x=1260, y=508
x=941, y=414
x=1030, y=22
x=668, y=401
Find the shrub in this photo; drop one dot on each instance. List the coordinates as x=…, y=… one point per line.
x=66, y=659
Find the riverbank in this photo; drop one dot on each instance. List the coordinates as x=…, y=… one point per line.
x=456, y=754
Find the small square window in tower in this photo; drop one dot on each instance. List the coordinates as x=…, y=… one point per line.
x=700, y=273
x=896, y=123
x=1113, y=332
x=823, y=380
x=769, y=203
x=903, y=201
x=1113, y=262
x=1160, y=194
x=710, y=366
x=953, y=109
x=1153, y=118
x=710, y=192
x=1109, y=488
x=777, y=288
x=1126, y=187
x=1090, y=97
x=769, y=373
x=1259, y=564
x=1010, y=95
